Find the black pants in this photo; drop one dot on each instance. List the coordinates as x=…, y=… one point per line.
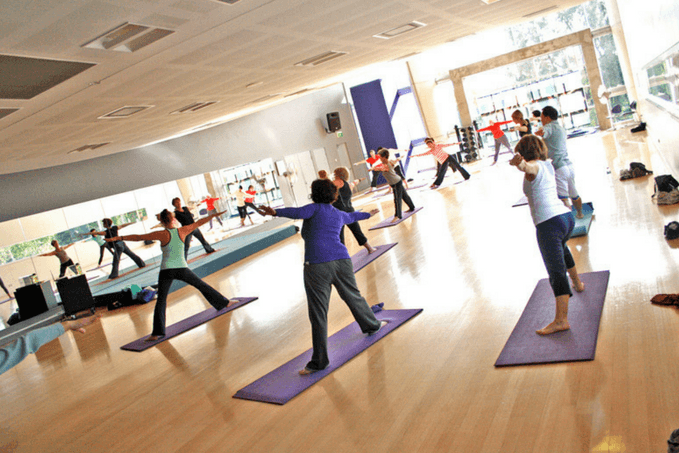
x=247, y=203
x=118, y=249
x=452, y=163
x=400, y=193
x=106, y=246
x=63, y=267
x=373, y=183
x=187, y=242
x=165, y=279
x=358, y=234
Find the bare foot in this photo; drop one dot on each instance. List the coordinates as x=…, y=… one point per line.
x=306, y=371
x=493, y=163
x=154, y=338
x=370, y=249
x=579, y=215
x=382, y=324
x=395, y=219
x=578, y=285
x=553, y=327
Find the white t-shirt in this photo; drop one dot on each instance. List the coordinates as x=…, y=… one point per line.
x=541, y=193
x=240, y=198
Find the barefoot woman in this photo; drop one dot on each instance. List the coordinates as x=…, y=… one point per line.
x=553, y=223
x=173, y=266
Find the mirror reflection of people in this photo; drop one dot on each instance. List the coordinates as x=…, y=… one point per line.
x=184, y=217
x=372, y=159
x=242, y=208
x=119, y=247
x=64, y=259
x=13, y=353
x=210, y=204
x=173, y=266
x=499, y=137
x=327, y=264
x=103, y=245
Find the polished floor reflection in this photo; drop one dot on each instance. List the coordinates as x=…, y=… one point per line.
x=470, y=261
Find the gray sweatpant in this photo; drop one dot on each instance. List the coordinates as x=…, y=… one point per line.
x=318, y=282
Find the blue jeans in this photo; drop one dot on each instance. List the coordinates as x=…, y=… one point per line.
x=552, y=237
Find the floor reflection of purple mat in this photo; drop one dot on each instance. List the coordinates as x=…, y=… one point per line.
x=188, y=324
x=387, y=223
x=284, y=383
x=525, y=347
x=363, y=258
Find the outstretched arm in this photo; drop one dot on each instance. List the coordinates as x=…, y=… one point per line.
x=125, y=225
x=155, y=236
x=188, y=229
x=48, y=253
x=529, y=168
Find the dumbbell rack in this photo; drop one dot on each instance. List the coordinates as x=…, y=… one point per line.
x=469, y=143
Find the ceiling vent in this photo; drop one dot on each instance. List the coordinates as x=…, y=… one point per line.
x=5, y=112
x=228, y=2
x=398, y=31
x=320, y=59
x=194, y=107
x=88, y=147
x=542, y=11
x=128, y=38
x=125, y=112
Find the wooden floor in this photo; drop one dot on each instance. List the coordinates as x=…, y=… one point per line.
x=470, y=261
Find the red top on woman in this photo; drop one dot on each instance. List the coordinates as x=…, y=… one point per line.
x=251, y=198
x=495, y=129
x=210, y=202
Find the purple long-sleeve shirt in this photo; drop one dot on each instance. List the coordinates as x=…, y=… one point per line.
x=321, y=230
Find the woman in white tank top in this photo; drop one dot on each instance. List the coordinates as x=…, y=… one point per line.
x=554, y=224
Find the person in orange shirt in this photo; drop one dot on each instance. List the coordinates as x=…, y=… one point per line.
x=210, y=203
x=499, y=136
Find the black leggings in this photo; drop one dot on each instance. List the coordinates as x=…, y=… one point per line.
x=64, y=266
x=186, y=275
x=107, y=246
x=358, y=234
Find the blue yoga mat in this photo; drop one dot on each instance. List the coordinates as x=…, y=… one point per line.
x=187, y=324
x=363, y=258
x=525, y=347
x=388, y=222
x=285, y=382
x=582, y=225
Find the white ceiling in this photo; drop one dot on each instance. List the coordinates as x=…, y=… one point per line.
x=215, y=51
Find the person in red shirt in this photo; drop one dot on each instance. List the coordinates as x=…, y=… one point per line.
x=370, y=162
x=499, y=136
x=444, y=159
x=250, y=198
x=210, y=203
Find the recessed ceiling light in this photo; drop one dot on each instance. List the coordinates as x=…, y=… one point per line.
x=488, y=2
x=321, y=58
x=394, y=32
x=125, y=112
x=127, y=38
x=194, y=107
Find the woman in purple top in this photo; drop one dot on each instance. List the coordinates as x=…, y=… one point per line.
x=326, y=264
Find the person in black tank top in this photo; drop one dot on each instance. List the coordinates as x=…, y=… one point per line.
x=343, y=203
x=523, y=126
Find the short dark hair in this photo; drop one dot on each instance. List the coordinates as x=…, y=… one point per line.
x=531, y=147
x=536, y=113
x=176, y=198
x=517, y=114
x=428, y=139
x=53, y=242
x=550, y=112
x=323, y=191
x=383, y=152
x=106, y=222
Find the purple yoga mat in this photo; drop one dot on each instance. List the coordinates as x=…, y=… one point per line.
x=363, y=258
x=525, y=347
x=387, y=223
x=523, y=201
x=187, y=324
x=284, y=383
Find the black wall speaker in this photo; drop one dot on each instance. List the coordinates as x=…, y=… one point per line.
x=334, y=122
